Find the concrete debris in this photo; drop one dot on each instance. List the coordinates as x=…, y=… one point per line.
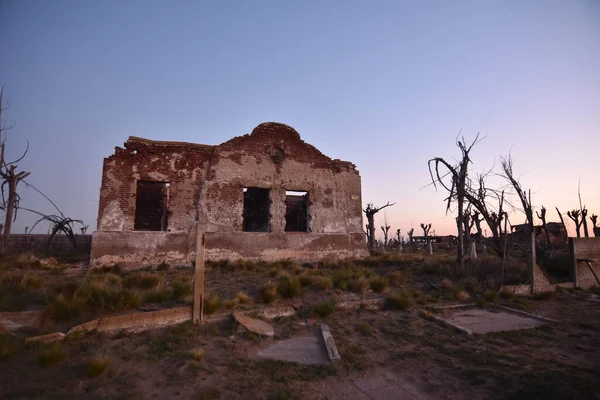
x=21, y=320
x=332, y=352
x=46, y=339
x=306, y=349
x=277, y=312
x=254, y=325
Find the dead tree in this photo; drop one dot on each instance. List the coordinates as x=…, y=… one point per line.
x=399, y=240
x=385, y=229
x=10, y=178
x=584, y=212
x=542, y=216
x=595, y=228
x=574, y=215
x=370, y=212
x=524, y=196
x=456, y=187
x=564, y=227
x=410, y=238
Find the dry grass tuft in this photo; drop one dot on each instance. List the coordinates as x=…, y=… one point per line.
x=446, y=284
x=243, y=298
x=360, y=285
x=268, y=293
x=323, y=282
x=51, y=355
x=212, y=303
x=323, y=309
x=397, y=278
x=398, y=301
x=97, y=366
x=198, y=354
x=231, y=303
x=379, y=283
x=289, y=286
x=463, y=296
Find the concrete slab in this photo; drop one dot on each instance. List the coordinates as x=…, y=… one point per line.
x=306, y=349
x=254, y=325
x=484, y=321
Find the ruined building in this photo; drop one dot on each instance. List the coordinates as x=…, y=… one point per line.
x=267, y=195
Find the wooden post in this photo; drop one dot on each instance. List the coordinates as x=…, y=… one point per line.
x=198, y=306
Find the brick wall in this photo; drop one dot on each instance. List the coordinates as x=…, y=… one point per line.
x=273, y=157
x=582, y=248
x=37, y=244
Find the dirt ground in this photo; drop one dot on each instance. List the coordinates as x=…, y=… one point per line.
x=398, y=343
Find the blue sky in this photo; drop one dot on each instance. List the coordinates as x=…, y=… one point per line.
x=384, y=84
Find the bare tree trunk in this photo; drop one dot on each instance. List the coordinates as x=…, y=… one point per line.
x=10, y=206
x=562, y=221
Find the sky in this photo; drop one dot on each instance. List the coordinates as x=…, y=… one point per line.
x=386, y=85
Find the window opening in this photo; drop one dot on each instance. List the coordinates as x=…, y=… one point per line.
x=151, y=206
x=256, y=209
x=296, y=211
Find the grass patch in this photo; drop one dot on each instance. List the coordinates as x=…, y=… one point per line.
x=365, y=329
x=163, y=266
x=398, y=301
x=198, y=354
x=97, y=366
x=360, y=285
x=323, y=309
x=462, y=296
x=545, y=295
x=63, y=308
x=9, y=346
x=490, y=295
x=157, y=296
x=289, y=286
x=212, y=303
x=180, y=290
x=323, y=282
x=243, y=298
x=268, y=293
x=378, y=284
x=231, y=303
x=51, y=355
x=397, y=278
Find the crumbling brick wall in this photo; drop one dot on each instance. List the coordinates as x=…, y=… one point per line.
x=585, y=248
x=273, y=157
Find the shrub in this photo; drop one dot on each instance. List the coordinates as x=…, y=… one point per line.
x=149, y=281
x=378, y=284
x=396, y=301
x=96, y=366
x=490, y=295
x=360, y=285
x=365, y=329
x=101, y=299
x=52, y=354
x=545, y=295
x=305, y=280
x=9, y=345
x=446, y=284
x=64, y=308
x=463, y=296
x=157, y=296
x=323, y=309
x=163, y=266
x=289, y=286
x=212, y=303
x=273, y=272
x=180, y=290
x=198, y=354
x=243, y=298
x=231, y=303
x=506, y=293
x=323, y=282
x=268, y=293
x=397, y=277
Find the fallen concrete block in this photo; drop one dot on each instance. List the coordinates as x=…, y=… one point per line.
x=332, y=352
x=45, y=339
x=254, y=325
x=21, y=320
x=277, y=312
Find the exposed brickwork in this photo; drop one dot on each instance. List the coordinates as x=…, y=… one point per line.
x=272, y=157
x=585, y=248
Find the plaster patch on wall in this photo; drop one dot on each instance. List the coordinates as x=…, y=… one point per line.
x=113, y=218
